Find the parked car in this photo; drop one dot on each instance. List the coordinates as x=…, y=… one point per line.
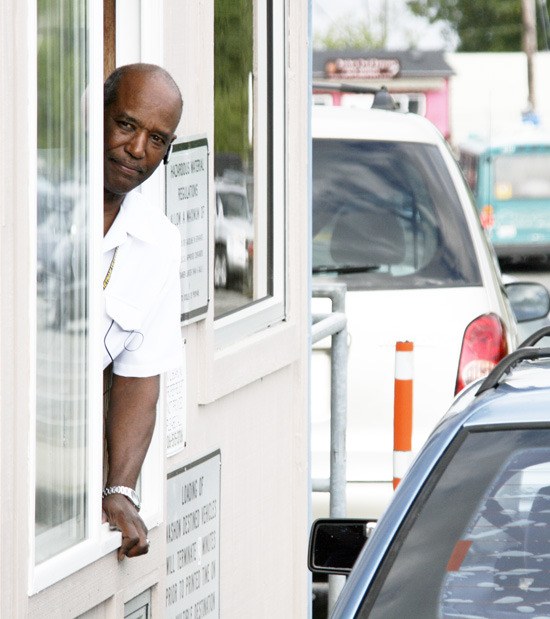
x=467, y=533
x=394, y=220
x=509, y=176
x=234, y=236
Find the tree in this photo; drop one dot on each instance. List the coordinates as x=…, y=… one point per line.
x=486, y=25
x=348, y=32
x=233, y=64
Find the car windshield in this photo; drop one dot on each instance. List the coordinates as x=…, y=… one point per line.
x=386, y=215
x=235, y=205
x=525, y=175
x=477, y=540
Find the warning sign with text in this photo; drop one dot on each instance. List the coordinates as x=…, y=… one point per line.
x=192, y=540
x=187, y=208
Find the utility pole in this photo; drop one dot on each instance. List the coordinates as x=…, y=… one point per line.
x=529, y=43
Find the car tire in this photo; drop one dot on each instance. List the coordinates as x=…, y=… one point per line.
x=220, y=268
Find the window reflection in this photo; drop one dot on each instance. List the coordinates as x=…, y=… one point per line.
x=62, y=203
x=241, y=257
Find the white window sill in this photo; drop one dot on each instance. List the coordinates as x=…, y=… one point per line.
x=248, y=360
x=81, y=555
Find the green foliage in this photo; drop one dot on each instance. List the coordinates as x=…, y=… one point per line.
x=61, y=80
x=482, y=26
x=233, y=64
x=349, y=33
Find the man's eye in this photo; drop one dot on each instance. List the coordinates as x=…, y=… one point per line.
x=124, y=124
x=157, y=139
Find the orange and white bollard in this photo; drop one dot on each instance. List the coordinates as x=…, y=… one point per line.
x=402, y=410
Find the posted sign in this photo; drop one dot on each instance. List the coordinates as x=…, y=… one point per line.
x=187, y=208
x=192, y=540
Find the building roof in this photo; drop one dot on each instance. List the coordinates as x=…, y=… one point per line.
x=365, y=64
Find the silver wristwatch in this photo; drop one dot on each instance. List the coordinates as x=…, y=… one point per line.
x=129, y=493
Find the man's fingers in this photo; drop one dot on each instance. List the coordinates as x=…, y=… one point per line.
x=128, y=544
x=123, y=516
x=134, y=548
x=134, y=543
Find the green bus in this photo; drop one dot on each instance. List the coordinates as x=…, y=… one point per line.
x=510, y=180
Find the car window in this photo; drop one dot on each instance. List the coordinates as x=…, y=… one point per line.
x=477, y=540
x=522, y=176
x=386, y=215
x=234, y=205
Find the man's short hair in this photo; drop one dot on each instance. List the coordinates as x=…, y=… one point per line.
x=110, y=89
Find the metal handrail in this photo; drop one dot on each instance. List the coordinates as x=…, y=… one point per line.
x=334, y=325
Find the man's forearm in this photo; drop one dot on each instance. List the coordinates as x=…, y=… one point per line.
x=129, y=427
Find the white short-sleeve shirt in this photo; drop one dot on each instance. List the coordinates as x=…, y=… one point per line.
x=142, y=300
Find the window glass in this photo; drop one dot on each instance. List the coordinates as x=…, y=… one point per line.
x=386, y=215
x=61, y=339
x=242, y=255
x=469, y=164
x=522, y=176
x=492, y=557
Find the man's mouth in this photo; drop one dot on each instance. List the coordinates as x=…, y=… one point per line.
x=127, y=168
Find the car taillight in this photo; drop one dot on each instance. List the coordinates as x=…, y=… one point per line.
x=487, y=217
x=483, y=346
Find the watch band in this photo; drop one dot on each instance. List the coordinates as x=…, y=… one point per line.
x=129, y=493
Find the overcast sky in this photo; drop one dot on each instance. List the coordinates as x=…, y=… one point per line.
x=404, y=30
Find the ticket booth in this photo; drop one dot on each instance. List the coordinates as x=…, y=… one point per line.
x=225, y=483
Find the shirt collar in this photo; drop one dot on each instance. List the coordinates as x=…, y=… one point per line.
x=132, y=220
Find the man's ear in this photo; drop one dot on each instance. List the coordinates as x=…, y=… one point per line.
x=167, y=155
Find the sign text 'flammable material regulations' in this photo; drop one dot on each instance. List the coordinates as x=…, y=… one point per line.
x=193, y=540
x=187, y=208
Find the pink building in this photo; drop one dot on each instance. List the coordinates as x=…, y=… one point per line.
x=417, y=80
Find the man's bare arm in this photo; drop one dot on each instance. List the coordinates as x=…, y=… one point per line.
x=129, y=428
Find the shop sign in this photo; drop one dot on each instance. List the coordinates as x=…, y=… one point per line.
x=362, y=68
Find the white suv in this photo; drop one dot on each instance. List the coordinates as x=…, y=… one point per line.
x=234, y=233
x=394, y=221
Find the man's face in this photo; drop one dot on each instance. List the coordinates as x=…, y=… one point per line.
x=139, y=127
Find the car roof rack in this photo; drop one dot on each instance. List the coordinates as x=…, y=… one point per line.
x=505, y=365
x=382, y=98
x=536, y=336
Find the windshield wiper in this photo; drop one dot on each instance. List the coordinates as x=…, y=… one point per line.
x=345, y=268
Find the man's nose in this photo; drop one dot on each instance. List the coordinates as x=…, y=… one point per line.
x=136, y=145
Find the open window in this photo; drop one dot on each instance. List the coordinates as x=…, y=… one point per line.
x=248, y=167
x=67, y=532
x=67, y=455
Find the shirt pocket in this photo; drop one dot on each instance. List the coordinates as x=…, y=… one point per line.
x=127, y=316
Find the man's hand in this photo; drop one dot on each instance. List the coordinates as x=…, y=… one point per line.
x=121, y=515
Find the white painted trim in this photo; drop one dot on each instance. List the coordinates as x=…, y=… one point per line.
x=152, y=35
x=32, y=161
x=95, y=274
x=128, y=32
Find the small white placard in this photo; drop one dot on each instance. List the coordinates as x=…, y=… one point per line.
x=187, y=208
x=192, y=540
x=175, y=398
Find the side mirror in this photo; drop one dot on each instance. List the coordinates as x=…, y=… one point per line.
x=529, y=300
x=335, y=544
